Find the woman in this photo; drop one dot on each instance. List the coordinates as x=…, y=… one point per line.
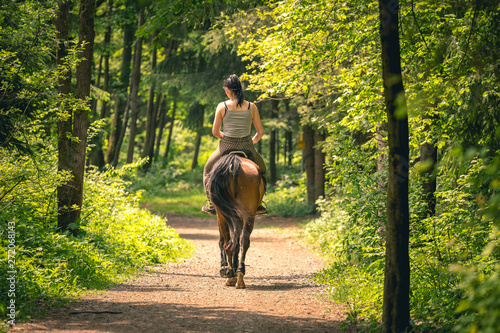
x=236, y=115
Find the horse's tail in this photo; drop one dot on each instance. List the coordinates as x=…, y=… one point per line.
x=219, y=189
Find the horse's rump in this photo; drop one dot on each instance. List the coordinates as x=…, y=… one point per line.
x=229, y=184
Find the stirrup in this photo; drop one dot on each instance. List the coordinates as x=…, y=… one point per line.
x=209, y=209
x=262, y=210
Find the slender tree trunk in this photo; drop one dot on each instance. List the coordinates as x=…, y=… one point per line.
x=162, y=122
x=396, y=305
x=93, y=108
x=428, y=154
x=64, y=125
x=309, y=161
x=147, y=150
x=197, y=144
x=288, y=136
x=119, y=142
x=289, y=140
x=70, y=206
x=382, y=157
x=272, y=144
x=107, y=46
x=121, y=97
x=174, y=94
x=278, y=145
x=156, y=122
x=96, y=156
x=134, y=92
x=97, y=153
x=319, y=166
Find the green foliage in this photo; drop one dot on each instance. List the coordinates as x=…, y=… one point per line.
x=354, y=277
x=167, y=190
x=117, y=238
x=289, y=197
x=26, y=38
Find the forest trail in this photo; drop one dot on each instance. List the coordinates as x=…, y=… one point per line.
x=191, y=297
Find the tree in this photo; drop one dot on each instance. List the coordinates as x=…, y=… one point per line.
x=308, y=160
x=162, y=121
x=396, y=307
x=151, y=112
x=134, y=90
x=73, y=131
x=96, y=156
x=194, y=122
x=272, y=142
x=121, y=102
x=319, y=165
x=174, y=93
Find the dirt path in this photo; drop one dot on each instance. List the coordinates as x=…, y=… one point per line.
x=191, y=297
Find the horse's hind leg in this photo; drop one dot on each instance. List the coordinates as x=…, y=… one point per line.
x=233, y=261
x=225, y=270
x=244, y=245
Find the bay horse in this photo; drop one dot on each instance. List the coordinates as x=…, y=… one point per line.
x=235, y=187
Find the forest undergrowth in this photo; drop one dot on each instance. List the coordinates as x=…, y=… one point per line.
x=454, y=254
x=116, y=238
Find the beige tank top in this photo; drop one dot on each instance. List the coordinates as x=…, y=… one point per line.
x=236, y=123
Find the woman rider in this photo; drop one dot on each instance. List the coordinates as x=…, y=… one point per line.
x=236, y=115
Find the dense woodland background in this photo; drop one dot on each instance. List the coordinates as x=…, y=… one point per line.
x=106, y=104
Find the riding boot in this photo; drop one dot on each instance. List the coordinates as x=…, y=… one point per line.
x=209, y=207
x=262, y=210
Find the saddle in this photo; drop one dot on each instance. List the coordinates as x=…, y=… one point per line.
x=245, y=153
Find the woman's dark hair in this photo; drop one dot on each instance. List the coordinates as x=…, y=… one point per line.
x=234, y=84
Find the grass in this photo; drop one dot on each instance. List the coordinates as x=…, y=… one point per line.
x=167, y=190
x=186, y=203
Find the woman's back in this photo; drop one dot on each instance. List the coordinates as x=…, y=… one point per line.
x=237, y=122
x=233, y=105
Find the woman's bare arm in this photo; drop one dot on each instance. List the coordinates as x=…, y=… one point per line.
x=257, y=123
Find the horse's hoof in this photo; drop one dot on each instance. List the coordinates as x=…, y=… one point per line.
x=240, y=284
x=231, y=282
x=226, y=272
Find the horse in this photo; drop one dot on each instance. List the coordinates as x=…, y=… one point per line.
x=236, y=188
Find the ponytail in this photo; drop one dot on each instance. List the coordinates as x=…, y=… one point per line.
x=234, y=84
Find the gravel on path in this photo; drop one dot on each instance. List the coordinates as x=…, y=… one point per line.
x=189, y=296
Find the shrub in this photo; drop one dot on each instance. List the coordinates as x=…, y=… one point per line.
x=115, y=241
x=289, y=197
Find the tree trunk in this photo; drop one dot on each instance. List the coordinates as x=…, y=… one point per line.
x=319, y=166
x=396, y=305
x=308, y=158
x=382, y=157
x=162, y=122
x=97, y=153
x=107, y=46
x=70, y=205
x=174, y=94
x=156, y=122
x=428, y=154
x=289, y=140
x=278, y=144
x=121, y=98
x=134, y=91
x=119, y=141
x=64, y=125
x=197, y=143
x=93, y=108
x=288, y=137
x=147, y=150
x=272, y=144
